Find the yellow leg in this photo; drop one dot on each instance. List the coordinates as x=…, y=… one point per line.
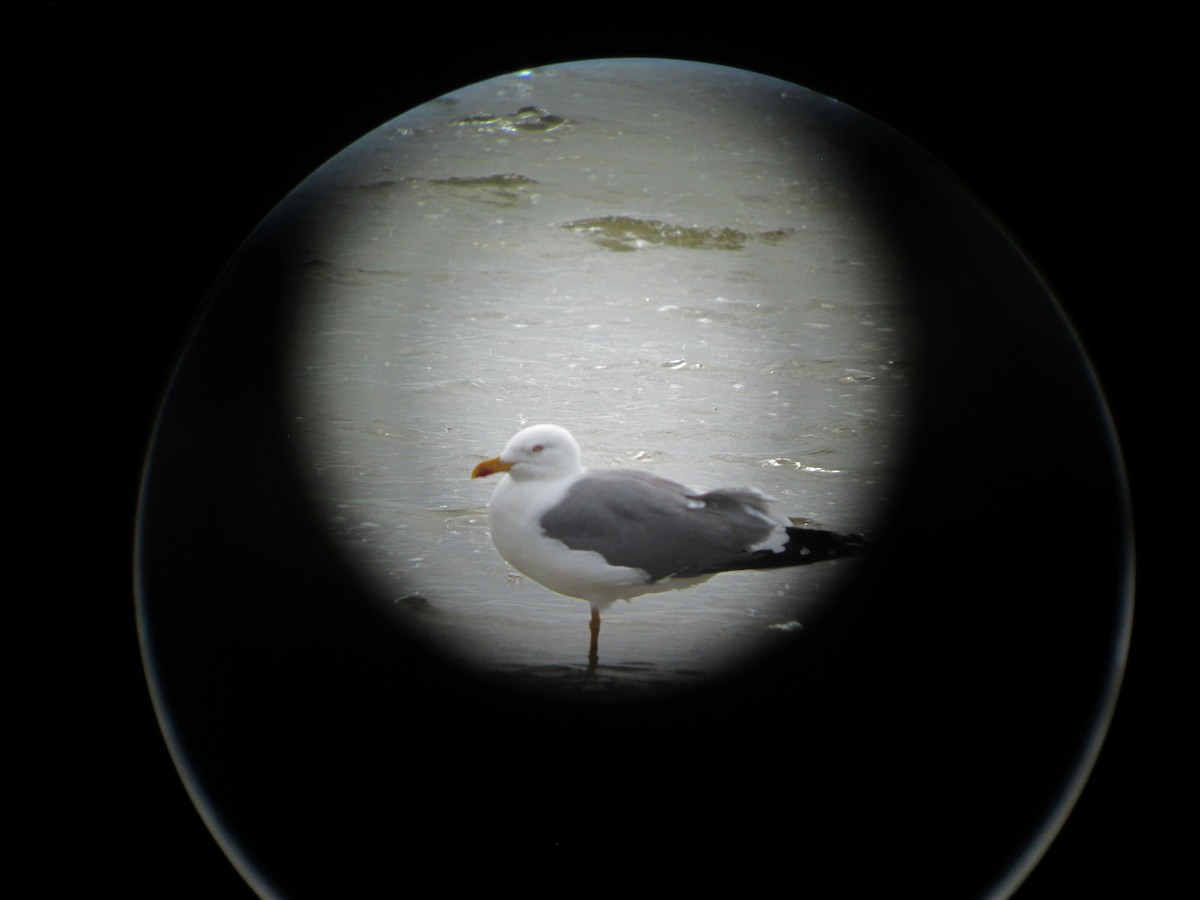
x=593, y=652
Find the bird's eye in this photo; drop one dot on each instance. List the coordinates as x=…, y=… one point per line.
x=538, y=448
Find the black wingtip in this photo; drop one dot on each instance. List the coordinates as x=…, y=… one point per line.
x=810, y=545
x=804, y=546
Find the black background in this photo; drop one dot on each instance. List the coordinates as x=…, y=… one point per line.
x=163, y=142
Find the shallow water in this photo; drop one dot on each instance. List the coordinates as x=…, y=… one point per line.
x=675, y=268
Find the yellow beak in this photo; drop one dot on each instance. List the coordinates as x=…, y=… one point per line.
x=490, y=467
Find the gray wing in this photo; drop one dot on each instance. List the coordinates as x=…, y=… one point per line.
x=640, y=520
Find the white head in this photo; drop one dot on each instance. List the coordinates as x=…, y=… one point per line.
x=539, y=451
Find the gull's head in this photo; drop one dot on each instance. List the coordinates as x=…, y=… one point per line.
x=539, y=451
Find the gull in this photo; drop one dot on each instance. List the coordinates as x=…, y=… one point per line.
x=604, y=535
